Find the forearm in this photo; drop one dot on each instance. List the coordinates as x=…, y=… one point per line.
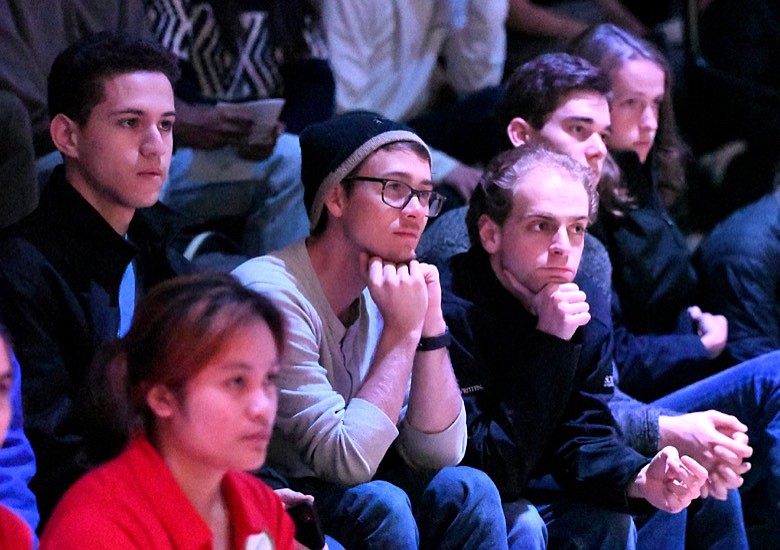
x=637, y=422
x=653, y=365
x=434, y=397
x=387, y=381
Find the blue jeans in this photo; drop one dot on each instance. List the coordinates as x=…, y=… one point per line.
x=567, y=523
x=751, y=392
x=455, y=507
x=706, y=524
x=266, y=196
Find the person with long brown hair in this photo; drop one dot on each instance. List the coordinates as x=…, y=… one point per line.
x=664, y=341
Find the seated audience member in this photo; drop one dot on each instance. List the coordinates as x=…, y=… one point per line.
x=544, y=105
x=370, y=420
x=559, y=101
x=531, y=377
x=663, y=340
x=233, y=52
x=265, y=195
x=70, y=272
x=436, y=65
x=739, y=266
x=17, y=461
x=192, y=397
x=14, y=532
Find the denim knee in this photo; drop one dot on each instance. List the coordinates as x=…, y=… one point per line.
x=525, y=528
x=459, y=508
x=377, y=514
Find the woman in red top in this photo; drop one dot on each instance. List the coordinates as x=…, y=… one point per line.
x=192, y=387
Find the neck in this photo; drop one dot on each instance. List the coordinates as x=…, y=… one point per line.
x=337, y=266
x=117, y=216
x=200, y=483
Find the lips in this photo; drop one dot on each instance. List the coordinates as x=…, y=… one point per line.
x=408, y=234
x=258, y=438
x=411, y=232
x=563, y=272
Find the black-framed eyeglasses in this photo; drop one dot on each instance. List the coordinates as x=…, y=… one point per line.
x=397, y=194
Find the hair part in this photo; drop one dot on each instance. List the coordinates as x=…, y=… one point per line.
x=77, y=77
x=610, y=47
x=177, y=329
x=494, y=194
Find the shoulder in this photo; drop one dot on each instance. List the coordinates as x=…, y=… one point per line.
x=14, y=533
x=285, y=276
x=753, y=231
x=281, y=269
x=86, y=513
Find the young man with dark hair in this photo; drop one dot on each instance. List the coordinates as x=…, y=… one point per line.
x=716, y=439
x=70, y=271
x=370, y=418
x=531, y=383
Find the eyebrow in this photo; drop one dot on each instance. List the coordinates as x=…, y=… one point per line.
x=405, y=175
x=141, y=112
x=550, y=216
x=586, y=120
x=574, y=118
x=245, y=367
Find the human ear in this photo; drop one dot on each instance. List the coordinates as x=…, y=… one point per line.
x=518, y=131
x=65, y=135
x=489, y=234
x=161, y=400
x=335, y=200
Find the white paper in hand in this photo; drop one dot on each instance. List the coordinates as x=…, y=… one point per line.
x=264, y=113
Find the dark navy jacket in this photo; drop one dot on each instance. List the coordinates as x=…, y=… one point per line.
x=60, y=271
x=533, y=401
x=740, y=266
x=656, y=347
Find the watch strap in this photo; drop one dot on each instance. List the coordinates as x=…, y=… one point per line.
x=431, y=343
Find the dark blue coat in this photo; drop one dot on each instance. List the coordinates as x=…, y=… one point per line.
x=533, y=401
x=60, y=271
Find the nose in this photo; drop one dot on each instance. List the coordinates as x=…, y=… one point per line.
x=415, y=208
x=561, y=245
x=595, y=149
x=262, y=403
x=153, y=142
x=649, y=120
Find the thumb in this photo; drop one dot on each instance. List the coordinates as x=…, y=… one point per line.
x=695, y=312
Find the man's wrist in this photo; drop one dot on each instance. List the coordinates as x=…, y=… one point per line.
x=430, y=343
x=665, y=423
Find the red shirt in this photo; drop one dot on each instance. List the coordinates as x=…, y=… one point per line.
x=14, y=532
x=135, y=502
